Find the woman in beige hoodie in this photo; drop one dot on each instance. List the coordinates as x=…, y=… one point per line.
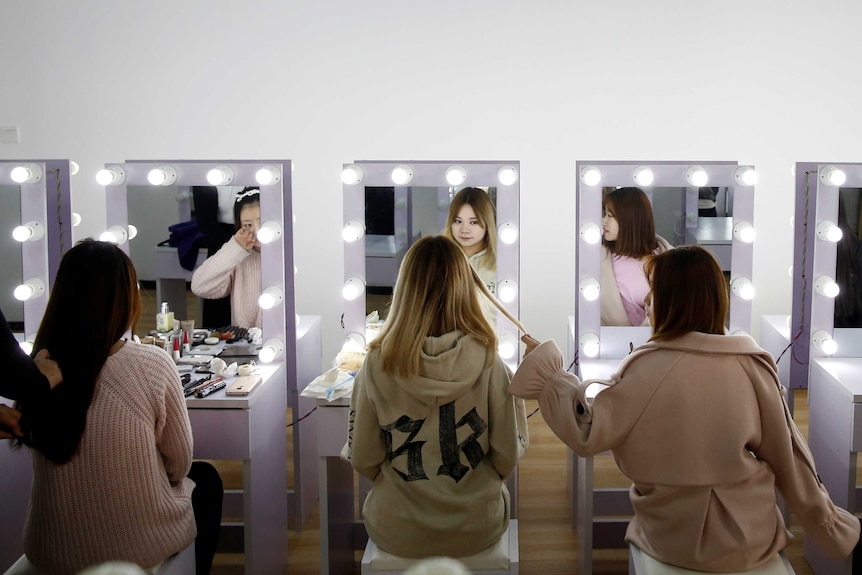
x=697, y=420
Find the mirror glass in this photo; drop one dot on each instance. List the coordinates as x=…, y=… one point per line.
x=10, y=256
x=848, y=260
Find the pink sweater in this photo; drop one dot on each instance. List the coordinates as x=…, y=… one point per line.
x=124, y=495
x=235, y=271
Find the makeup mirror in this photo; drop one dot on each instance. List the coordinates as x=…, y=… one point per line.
x=705, y=203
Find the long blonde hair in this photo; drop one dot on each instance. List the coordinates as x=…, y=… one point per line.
x=437, y=292
x=483, y=207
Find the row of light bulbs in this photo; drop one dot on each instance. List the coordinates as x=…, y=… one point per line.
x=166, y=175
x=402, y=174
x=695, y=176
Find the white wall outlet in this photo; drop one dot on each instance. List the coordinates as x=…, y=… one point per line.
x=10, y=135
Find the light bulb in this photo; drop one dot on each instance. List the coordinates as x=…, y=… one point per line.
x=26, y=347
x=133, y=232
x=268, y=175
x=115, y=235
x=271, y=350
x=111, y=176
x=351, y=174
x=744, y=232
x=507, y=175
x=590, y=289
x=508, y=233
x=352, y=231
x=507, y=291
x=832, y=176
x=591, y=233
x=743, y=288
x=826, y=286
x=354, y=342
x=745, y=175
x=824, y=342
x=696, y=176
x=165, y=175
x=269, y=232
x=829, y=232
x=353, y=288
x=271, y=297
x=30, y=289
x=643, y=176
x=26, y=174
x=787, y=320
x=76, y=219
x=456, y=175
x=790, y=271
x=402, y=174
x=589, y=342
x=220, y=176
x=507, y=346
x=591, y=175
x=31, y=231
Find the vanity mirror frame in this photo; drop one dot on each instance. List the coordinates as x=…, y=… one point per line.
x=589, y=211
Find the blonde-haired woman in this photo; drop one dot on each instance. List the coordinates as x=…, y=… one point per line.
x=432, y=424
x=472, y=223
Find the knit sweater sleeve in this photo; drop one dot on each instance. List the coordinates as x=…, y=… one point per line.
x=173, y=428
x=214, y=278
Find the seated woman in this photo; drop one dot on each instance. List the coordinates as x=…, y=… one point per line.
x=628, y=238
x=697, y=420
x=431, y=423
x=472, y=223
x=111, y=446
x=235, y=269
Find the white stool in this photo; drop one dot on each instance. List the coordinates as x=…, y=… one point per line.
x=642, y=564
x=500, y=559
x=183, y=563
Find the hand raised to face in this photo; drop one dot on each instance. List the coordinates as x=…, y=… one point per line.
x=246, y=238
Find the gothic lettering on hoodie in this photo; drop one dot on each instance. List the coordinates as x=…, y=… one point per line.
x=413, y=449
x=450, y=449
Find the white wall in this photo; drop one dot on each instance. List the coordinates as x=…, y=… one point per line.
x=543, y=82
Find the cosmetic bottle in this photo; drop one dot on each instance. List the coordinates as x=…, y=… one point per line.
x=187, y=347
x=176, y=348
x=165, y=319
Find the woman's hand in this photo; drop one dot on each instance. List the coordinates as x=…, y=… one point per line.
x=530, y=342
x=9, y=418
x=48, y=367
x=246, y=238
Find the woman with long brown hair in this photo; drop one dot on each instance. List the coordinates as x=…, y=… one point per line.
x=472, y=223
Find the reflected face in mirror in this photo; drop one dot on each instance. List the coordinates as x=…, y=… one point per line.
x=610, y=226
x=468, y=231
x=249, y=224
x=627, y=223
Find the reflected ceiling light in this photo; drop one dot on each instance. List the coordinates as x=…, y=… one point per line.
x=590, y=343
x=829, y=231
x=272, y=349
x=353, y=288
x=643, y=176
x=115, y=235
x=351, y=174
x=591, y=233
x=26, y=174
x=745, y=175
x=271, y=297
x=297, y=320
x=507, y=346
x=787, y=321
x=507, y=175
x=591, y=175
x=744, y=232
x=220, y=175
x=832, y=176
x=26, y=346
x=354, y=342
x=269, y=232
x=352, y=231
x=507, y=291
x=30, y=289
x=29, y=232
x=790, y=271
x=456, y=175
x=268, y=175
x=824, y=342
x=133, y=232
x=165, y=175
x=111, y=176
x=743, y=288
x=76, y=219
x=402, y=174
x=792, y=221
x=826, y=286
x=74, y=168
x=696, y=176
x=508, y=233
x=590, y=289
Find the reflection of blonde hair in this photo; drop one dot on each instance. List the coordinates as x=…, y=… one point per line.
x=485, y=212
x=437, y=292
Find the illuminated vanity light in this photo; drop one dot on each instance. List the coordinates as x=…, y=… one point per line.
x=826, y=286
x=402, y=174
x=507, y=346
x=74, y=168
x=643, y=176
x=352, y=231
x=115, y=235
x=133, y=232
x=271, y=297
x=354, y=342
x=591, y=233
x=297, y=320
x=792, y=221
x=111, y=176
x=507, y=175
x=26, y=174
x=590, y=344
x=696, y=176
x=745, y=175
x=220, y=176
x=787, y=321
x=744, y=232
x=29, y=232
x=268, y=175
x=590, y=289
x=162, y=176
x=352, y=174
x=76, y=219
x=269, y=232
x=30, y=289
x=591, y=175
x=507, y=291
x=272, y=349
x=508, y=233
x=824, y=342
x=26, y=346
x=743, y=288
x=456, y=175
x=790, y=271
x=353, y=288
x=829, y=231
x=832, y=176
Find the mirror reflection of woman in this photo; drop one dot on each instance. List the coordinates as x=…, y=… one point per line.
x=235, y=269
x=472, y=223
x=628, y=237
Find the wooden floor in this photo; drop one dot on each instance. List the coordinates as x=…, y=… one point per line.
x=548, y=545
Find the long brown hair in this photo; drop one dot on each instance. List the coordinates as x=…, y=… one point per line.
x=633, y=213
x=95, y=299
x=689, y=293
x=483, y=207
